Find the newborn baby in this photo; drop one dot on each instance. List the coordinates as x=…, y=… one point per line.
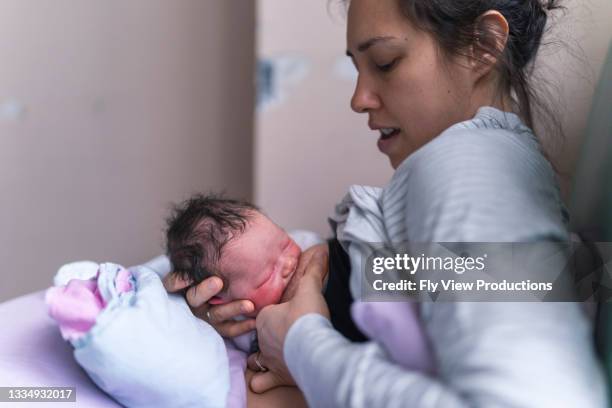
x=210, y=236
x=256, y=259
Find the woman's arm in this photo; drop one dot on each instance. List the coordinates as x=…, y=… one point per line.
x=502, y=355
x=334, y=372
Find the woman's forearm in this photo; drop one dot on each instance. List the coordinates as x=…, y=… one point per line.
x=495, y=355
x=333, y=372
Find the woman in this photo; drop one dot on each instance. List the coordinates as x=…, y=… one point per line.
x=439, y=80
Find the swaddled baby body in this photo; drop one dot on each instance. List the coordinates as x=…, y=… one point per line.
x=138, y=343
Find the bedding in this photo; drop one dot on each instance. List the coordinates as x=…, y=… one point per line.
x=33, y=354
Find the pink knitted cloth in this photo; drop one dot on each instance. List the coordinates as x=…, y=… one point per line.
x=76, y=305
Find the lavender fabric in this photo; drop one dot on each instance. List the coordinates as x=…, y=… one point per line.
x=397, y=328
x=236, y=398
x=32, y=353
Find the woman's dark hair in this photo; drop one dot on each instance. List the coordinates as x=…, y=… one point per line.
x=197, y=231
x=454, y=24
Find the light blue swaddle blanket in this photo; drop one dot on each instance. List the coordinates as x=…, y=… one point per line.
x=147, y=349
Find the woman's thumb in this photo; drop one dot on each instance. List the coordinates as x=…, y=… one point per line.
x=262, y=382
x=317, y=267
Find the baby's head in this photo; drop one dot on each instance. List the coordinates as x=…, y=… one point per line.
x=212, y=236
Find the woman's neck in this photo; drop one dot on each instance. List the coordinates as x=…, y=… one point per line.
x=488, y=93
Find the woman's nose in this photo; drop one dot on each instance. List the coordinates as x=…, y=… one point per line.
x=364, y=98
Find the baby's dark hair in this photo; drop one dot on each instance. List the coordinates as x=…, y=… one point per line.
x=197, y=231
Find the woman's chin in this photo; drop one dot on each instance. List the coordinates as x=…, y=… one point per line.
x=396, y=159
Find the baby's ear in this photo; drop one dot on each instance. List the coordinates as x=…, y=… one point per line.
x=173, y=282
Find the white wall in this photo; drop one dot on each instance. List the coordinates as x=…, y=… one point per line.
x=129, y=105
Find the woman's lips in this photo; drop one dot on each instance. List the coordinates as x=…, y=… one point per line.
x=385, y=142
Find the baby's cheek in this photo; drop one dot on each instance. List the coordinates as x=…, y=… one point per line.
x=265, y=296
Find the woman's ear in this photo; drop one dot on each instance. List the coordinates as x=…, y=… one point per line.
x=491, y=36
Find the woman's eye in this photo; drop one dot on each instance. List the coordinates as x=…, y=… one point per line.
x=386, y=67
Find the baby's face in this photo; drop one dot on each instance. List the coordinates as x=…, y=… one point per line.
x=258, y=264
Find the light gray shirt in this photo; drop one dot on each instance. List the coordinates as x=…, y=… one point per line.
x=483, y=180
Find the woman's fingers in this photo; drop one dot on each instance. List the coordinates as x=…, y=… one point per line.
x=262, y=382
x=233, y=329
x=201, y=311
x=310, y=254
x=230, y=310
x=304, y=262
x=316, y=269
x=220, y=316
x=251, y=362
x=308, y=297
x=201, y=293
x=173, y=282
x=227, y=327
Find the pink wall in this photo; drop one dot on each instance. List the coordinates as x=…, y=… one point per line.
x=312, y=147
x=128, y=107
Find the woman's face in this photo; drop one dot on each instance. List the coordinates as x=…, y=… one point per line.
x=410, y=92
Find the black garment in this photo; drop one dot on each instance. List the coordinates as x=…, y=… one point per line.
x=337, y=293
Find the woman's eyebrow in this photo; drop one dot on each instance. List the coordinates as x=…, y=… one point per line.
x=368, y=43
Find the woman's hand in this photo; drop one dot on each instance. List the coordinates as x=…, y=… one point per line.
x=220, y=317
x=304, y=261
x=274, y=321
